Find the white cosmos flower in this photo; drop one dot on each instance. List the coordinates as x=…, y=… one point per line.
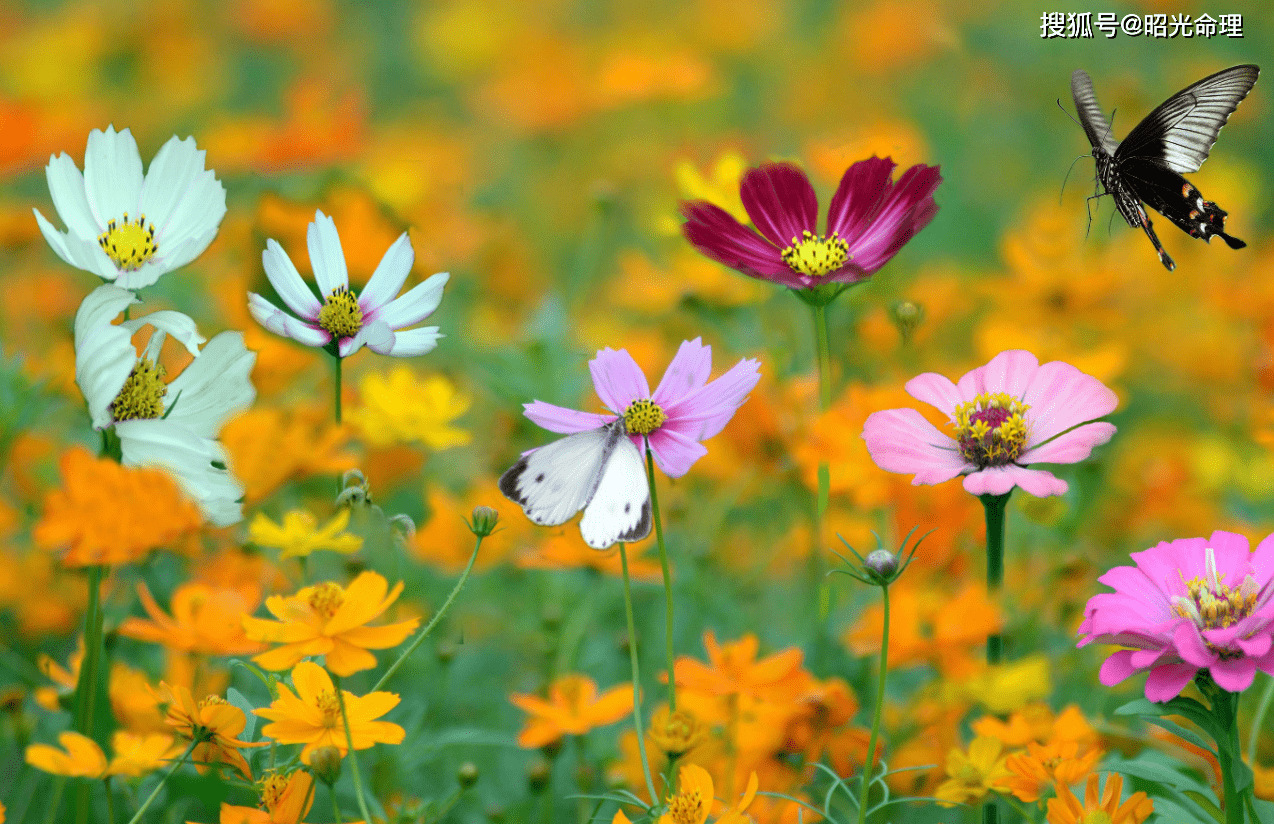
x=375, y=317
x=172, y=425
x=125, y=227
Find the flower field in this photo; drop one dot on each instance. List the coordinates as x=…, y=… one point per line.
x=488, y=411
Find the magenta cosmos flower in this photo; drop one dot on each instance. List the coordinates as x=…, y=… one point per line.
x=685, y=409
x=1005, y=415
x=870, y=218
x=377, y=318
x=1187, y=605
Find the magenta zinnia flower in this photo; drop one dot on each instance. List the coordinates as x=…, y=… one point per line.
x=869, y=220
x=1187, y=605
x=686, y=408
x=1005, y=415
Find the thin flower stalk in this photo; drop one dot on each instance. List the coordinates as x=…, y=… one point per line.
x=632, y=655
x=994, y=507
x=881, y=677
x=150, y=798
x=663, y=562
x=349, y=742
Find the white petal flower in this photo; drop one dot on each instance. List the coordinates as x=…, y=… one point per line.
x=171, y=425
x=125, y=227
x=375, y=318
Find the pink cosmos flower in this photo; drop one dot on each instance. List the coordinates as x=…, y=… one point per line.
x=869, y=220
x=1187, y=605
x=685, y=409
x=376, y=318
x=1005, y=415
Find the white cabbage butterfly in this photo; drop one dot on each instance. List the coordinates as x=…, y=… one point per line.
x=599, y=471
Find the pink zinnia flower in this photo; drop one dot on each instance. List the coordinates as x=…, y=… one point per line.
x=686, y=408
x=340, y=320
x=1187, y=605
x=869, y=220
x=1005, y=415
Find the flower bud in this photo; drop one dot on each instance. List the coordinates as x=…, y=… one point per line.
x=325, y=764
x=538, y=774
x=676, y=733
x=882, y=563
x=907, y=316
x=484, y=521
x=467, y=775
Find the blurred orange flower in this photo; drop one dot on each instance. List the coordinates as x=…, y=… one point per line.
x=565, y=549
x=573, y=708
x=108, y=514
x=312, y=716
x=205, y=620
x=1042, y=766
x=733, y=669
x=269, y=446
x=327, y=619
x=1066, y=809
x=285, y=799
x=81, y=757
x=211, y=724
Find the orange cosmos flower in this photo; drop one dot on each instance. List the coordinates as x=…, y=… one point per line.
x=734, y=669
x=107, y=514
x=1042, y=766
x=312, y=715
x=285, y=799
x=1066, y=809
x=212, y=724
x=327, y=620
x=573, y=708
x=205, y=619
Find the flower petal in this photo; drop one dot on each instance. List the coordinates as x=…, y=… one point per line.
x=1166, y=682
x=284, y=325
x=66, y=186
x=167, y=321
x=705, y=412
x=862, y=189
x=716, y=234
x=618, y=379
x=780, y=201
x=675, y=453
x=1061, y=396
x=390, y=275
x=907, y=209
x=282, y=274
x=214, y=387
x=998, y=480
x=688, y=371
x=191, y=459
x=1072, y=447
x=560, y=419
x=408, y=343
x=112, y=175
x=936, y=390
x=1234, y=675
x=901, y=440
x=1010, y=372
x=104, y=353
x=411, y=308
x=1116, y=668
x=327, y=259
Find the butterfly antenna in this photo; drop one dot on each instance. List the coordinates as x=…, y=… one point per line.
x=1068, y=114
x=1069, y=169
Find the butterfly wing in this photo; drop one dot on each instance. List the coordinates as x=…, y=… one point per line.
x=557, y=480
x=1181, y=132
x=620, y=508
x=1095, y=124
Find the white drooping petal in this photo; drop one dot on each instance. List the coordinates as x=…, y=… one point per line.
x=66, y=185
x=214, y=387
x=281, y=323
x=189, y=458
x=389, y=277
x=181, y=327
x=326, y=257
x=104, y=354
x=112, y=175
x=282, y=274
x=411, y=342
x=197, y=214
x=416, y=305
x=80, y=253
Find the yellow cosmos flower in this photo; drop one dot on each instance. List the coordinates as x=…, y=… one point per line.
x=327, y=620
x=81, y=757
x=300, y=534
x=212, y=724
x=693, y=800
x=972, y=774
x=285, y=799
x=403, y=407
x=1066, y=809
x=312, y=715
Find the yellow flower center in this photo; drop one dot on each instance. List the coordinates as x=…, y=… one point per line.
x=329, y=705
x=687, y=807
x=341, y=315
x=129, y=244
x=991, y=429
x=816, y=256
x=272, y=787
x=643, y=417
x=142, y=395
x=211, y=700
x=326, y=598
x=1212, y=604
x=1096, y=817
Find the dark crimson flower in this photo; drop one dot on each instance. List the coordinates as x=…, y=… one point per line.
x=870, y=218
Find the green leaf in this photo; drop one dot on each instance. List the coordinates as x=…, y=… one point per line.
x=1243, y=776
x=1206, y=805
x=1180, y=731
x=236, y=698
x=1188, y=708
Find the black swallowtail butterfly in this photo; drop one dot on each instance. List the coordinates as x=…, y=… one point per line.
x=1172, y=140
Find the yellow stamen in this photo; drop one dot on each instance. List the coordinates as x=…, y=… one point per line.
x=329, y=705
x=272, y=787
x=128, y=244
x=142, y=395
x=643, y=417
x=816, y=256
x=686, y=807
x=992, y=429
x=326, y=598
x=341, y=315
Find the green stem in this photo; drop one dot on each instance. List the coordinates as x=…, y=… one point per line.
x=824, y=398
x=337, y=393
x=663, y=560
x=1225, y=704
x=632, y=655
x=349, y=742
x=336, y=807
x=177, y=764
x=870, y=766
x=85, y=688
x=433, y=622
x=994, y=506
x=817, y=567
x=1258, y=719
x=59, y=787
x=110, y=801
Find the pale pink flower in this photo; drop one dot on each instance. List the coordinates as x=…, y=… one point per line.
x=1188, y=604
x=1006, y=415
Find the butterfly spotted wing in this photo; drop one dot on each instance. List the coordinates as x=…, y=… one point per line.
x=1174, y=139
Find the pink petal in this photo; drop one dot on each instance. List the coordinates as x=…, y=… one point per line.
x=688, y=371
x=1010, y=372
x=1146, y=658
x=1266, y=662
x=1061, y=396
x=862, y=188
x=901, y=440
x=281, y=323
x=1072, y=447
x=618, y=379
x=560, y=419
x=1233, y=556
x=936, y=390
x=908, y=209
x=1166, y=682
x=674, y=452
x=997, y=480
x=1255, y=646
x=1262, y=560
x=1234, y=675
x=780, y=201
x=716, y=234
x=704, y=413
x=1116, y=668
x=1189, y=645
x=1169, y=562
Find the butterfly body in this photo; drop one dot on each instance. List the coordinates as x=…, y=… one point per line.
x=1175, y=138
x=598, y=470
